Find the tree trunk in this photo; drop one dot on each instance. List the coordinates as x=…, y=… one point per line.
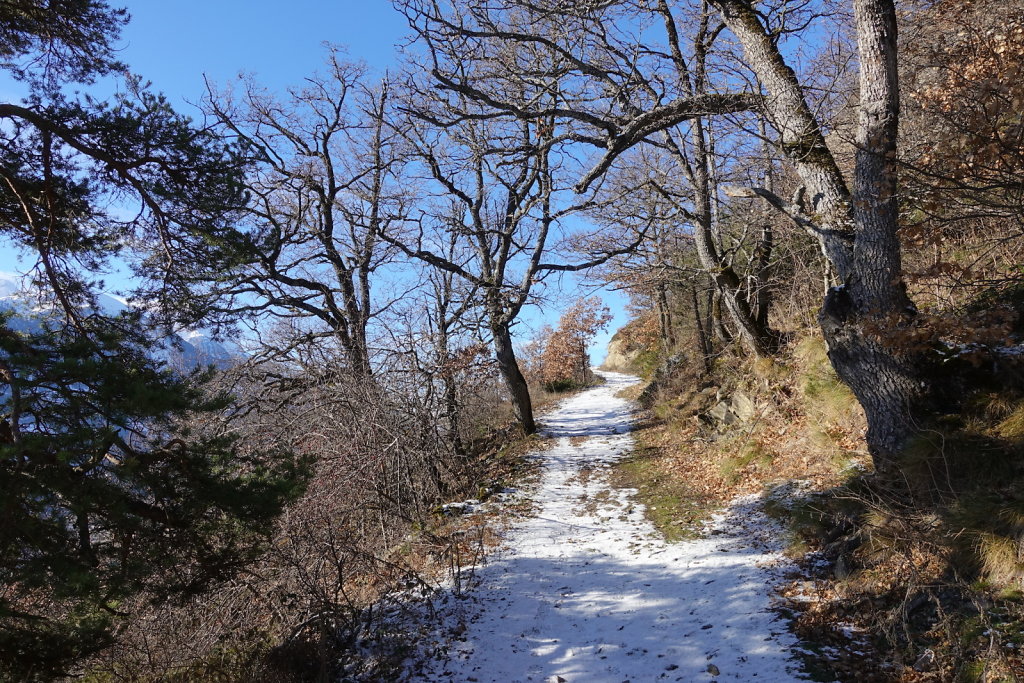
x=359, y=355
x=801, y=138
x=518, y=390
x=668, y=335
x=886, y=382
x=760, y=292
x=451, y=413
x=703, y=340
x=862, y=320
x=584, y=360
x=758, y=339
x=449, y=389
x=717, y=320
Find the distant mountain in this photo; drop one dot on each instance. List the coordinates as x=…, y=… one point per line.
x=10, y=283
x=186, y=350
x=195, y=348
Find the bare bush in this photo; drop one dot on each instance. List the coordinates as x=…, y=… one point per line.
x=362, y=543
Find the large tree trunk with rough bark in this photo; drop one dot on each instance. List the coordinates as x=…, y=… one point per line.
x=359, y=354
x=862, y=320
x=888, y=383
x=863, y=317
x=508, y=366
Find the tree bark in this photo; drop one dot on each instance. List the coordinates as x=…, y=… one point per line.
x=508, y=366
x=668, y=334
x=717, y=321
x=801, y=137
x=703, y=340
x=859, y=319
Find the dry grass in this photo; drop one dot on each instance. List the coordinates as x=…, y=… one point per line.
x=1012, y=426
x=807, y=427
x=936, y=570
x=632, y=393
x=677, y=509
x=827, y=402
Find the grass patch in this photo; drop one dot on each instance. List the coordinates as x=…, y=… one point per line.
x=632, y=392
x=989, y=528
x=1012, y=428
x=646, y=362
x=771, y=369
x=675, y=509
x=752, y=454
x=828, y=401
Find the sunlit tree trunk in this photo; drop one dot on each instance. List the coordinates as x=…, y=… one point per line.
x=861, y=319
x=508, y=366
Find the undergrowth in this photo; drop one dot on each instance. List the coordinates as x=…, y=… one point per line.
x=335, y=596
x=930, y=572
x=901, y=582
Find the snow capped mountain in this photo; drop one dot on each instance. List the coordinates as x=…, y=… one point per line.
x=111, y=305
x=13, y=297
x=10, y=283
x=195, y=348
x=186, y=350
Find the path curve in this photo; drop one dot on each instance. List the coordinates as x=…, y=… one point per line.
x=586, y=590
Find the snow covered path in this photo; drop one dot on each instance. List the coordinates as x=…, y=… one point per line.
x=586, y=590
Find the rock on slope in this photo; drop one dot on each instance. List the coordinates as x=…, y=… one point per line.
x=622, y=355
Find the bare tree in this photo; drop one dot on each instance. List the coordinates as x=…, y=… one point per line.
x=323, y=193
x=698, y=162
x=698, y=236
x=439, y=332
x=450, y=311
x=614, y=91
x=499, y=190
x=619, y=99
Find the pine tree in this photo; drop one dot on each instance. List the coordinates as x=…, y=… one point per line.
x=108, y=494
x=109, y=497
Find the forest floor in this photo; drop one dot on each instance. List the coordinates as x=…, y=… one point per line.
x=584, y=588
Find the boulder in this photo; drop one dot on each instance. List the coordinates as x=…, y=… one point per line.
x=722, y=413
x=620, y=357
x=743, y=407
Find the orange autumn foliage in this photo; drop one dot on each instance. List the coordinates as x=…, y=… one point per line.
x=564, y=360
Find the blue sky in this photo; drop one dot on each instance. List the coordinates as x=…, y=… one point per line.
x=177, y=44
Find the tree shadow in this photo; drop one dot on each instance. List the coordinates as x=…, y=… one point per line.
x=588, y=615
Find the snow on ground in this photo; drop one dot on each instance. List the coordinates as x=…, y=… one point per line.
x=586, y=590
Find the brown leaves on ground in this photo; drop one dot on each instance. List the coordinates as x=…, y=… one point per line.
x=782, y=443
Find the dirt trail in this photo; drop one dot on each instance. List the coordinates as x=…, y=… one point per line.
x=586, y=590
